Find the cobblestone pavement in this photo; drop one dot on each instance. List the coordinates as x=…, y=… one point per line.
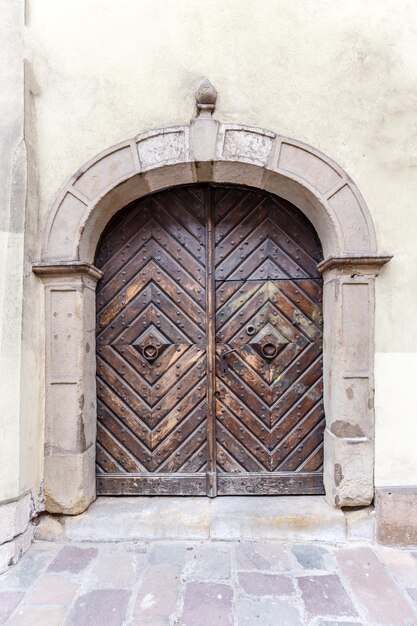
x=210, y=584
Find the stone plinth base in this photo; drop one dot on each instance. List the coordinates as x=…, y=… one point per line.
x=396, y=516
x=16, y=530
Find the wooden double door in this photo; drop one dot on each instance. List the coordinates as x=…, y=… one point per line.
x=209, y=346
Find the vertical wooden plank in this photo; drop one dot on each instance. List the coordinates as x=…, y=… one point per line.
x=211, y=354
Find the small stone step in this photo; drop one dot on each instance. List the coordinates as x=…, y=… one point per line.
x=276, y=518
x=224, y=518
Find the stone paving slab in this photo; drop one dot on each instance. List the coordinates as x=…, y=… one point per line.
x=210, y=583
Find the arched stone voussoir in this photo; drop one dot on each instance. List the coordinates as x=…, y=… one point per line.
x=320, y=183
x=208, y=151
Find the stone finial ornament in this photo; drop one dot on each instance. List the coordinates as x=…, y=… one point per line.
x=205, y=98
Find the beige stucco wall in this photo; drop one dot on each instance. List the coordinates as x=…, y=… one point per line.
x=11, y=251
x=21, y=425
x=341, y=76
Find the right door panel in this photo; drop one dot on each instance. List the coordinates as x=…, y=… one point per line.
x=269, y=395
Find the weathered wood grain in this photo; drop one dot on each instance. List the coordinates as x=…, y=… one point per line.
x=209, y=346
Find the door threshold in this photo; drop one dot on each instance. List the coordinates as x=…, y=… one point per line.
x=227, y=518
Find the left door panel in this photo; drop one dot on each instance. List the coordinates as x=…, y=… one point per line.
x=151, y=348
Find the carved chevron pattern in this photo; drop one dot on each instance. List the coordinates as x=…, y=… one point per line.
x=270, y=413
x=260, y=237
x=156, y=432
x=151, y=352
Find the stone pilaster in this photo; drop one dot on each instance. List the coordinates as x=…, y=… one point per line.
x=70, y=429
x=349, y=303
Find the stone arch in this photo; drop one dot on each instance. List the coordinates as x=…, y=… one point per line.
x=208, y=151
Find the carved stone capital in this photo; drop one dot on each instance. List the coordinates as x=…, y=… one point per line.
x=66, y=268
x=357, y=263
